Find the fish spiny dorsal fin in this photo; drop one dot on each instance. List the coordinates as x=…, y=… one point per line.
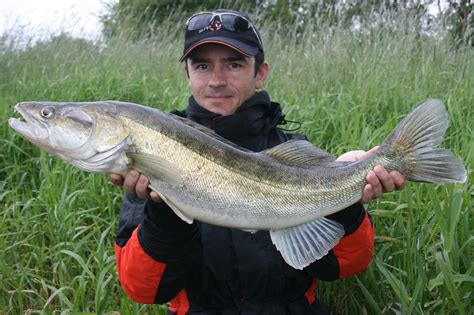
x=207, y=131
x=301, y=153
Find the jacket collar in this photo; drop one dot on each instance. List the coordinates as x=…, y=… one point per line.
x=256, y=116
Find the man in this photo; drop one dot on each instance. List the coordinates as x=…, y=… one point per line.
x=205, y=269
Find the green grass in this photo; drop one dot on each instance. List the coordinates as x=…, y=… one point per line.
x=57, y=224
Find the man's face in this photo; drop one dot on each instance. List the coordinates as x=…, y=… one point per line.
x=221, y=79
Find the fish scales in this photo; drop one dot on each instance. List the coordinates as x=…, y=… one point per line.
x=220, y=184
x=210, y=180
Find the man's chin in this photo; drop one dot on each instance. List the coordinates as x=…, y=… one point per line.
x=220, y=106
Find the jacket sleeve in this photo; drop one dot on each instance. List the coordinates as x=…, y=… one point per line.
x=353, y=252
x=152, y=249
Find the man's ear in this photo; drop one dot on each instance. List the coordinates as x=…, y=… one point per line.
x=262, y=75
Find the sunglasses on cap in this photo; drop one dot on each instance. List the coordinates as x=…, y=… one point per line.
x=228, y=20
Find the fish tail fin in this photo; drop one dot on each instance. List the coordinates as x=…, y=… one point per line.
x=412, y=144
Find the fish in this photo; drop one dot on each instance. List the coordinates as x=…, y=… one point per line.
x=287, y=190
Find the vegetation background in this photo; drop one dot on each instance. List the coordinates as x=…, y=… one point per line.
x=349, y=71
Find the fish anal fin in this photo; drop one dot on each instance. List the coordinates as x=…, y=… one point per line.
x=301, y=153
x=303, y=244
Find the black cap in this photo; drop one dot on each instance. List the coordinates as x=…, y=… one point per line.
x=248, y=42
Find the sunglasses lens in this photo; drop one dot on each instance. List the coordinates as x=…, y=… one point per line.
x=199, y=21
x=234, y=23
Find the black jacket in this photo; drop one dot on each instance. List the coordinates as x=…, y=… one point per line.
x=221, y=270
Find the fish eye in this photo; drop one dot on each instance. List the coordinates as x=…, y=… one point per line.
x=47, y=112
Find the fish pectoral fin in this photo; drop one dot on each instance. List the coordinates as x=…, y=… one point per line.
x=300, y=152
x=155, y=166
x=303, y=244
x=172, y=205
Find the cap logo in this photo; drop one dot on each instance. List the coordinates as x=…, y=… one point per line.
x=214, y=25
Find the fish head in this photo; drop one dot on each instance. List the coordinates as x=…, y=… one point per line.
x=84, y=134
x=53, y=127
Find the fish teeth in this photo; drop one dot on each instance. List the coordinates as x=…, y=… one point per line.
x=23, y=115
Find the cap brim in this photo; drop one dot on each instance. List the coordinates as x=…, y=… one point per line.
x=239, y=46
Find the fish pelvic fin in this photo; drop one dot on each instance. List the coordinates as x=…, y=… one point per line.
x=303, y=244
x=176, y=209
x=412, y=144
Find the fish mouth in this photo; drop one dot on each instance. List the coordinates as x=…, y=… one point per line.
x=27, y=125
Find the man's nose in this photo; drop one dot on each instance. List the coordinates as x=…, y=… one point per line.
x=218, y=78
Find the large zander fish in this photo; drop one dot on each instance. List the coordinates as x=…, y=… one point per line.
x=287, y=189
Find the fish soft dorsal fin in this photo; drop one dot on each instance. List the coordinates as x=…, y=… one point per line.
x=302, y=244
x=300, y=152
x=207, y=131
x=157, y=167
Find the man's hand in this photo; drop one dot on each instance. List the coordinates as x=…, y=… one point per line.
x=379, y=181
x=135, y=183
